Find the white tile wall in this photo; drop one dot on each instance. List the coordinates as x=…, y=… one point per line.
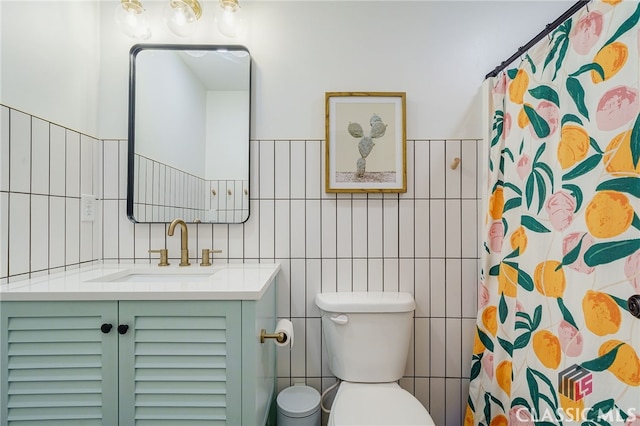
x=72, y=169
x=423, y=241
x=57, y=223
x=40, y=158
x=43, y=169
x=180, y=194
x=4, y=149
x=57, y=160
x=4, y=236
x=19, y=152
x=39, y=233
x=19, y=215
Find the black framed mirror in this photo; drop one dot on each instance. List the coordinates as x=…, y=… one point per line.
x=189, y=121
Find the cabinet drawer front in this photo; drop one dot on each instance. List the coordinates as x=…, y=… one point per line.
x=53, y=363
x=179, y=362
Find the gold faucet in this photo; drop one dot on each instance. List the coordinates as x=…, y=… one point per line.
x=184, y=240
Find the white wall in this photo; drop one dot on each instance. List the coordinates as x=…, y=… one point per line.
x=50, y=57
x=225, y=151
x=436, y=51
x=171, y=123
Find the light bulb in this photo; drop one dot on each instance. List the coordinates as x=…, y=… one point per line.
x=181, y=16
x=229, y=21
x=131, y=20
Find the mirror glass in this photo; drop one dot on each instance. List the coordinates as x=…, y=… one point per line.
x=189, y=111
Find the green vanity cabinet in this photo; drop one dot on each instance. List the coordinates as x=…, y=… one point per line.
x=140, y=363
x=56, y=364
x=179, y=362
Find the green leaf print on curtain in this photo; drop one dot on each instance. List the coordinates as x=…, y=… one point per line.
x=554, y=342
x=576, y=91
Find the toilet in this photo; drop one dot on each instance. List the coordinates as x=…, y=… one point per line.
x=367, y=336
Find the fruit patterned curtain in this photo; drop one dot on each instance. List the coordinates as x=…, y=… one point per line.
x=555, y=341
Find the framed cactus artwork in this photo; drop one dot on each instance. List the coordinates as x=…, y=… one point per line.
x=366, y=147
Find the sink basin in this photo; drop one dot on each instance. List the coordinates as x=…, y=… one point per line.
x=157, y=276
x=148, y=278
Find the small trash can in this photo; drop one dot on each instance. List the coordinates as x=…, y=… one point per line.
x=298, y=406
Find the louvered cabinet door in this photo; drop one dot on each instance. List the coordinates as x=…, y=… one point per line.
x=57, y=367
x=180, y=363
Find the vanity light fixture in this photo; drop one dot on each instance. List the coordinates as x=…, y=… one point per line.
x=181, y=16
x=229, y=21
x=131, y=19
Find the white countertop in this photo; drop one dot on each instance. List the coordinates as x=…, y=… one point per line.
x=234, y=281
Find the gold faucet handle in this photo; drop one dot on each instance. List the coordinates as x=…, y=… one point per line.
x=164, y=256
x=206, y=256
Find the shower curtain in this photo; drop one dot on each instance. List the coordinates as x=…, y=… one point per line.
x=555, y=343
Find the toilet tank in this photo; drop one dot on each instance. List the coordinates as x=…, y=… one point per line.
x=367, y=334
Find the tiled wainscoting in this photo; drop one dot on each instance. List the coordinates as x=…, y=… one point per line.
x=163, y=193
x=44, y=169
x=424, y=241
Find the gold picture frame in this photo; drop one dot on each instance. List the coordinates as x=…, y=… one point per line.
x=366, y=144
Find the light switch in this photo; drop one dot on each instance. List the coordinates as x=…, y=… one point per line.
x=87, y=208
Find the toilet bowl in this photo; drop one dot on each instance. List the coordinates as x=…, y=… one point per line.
x=367, y=336
x=376, y=404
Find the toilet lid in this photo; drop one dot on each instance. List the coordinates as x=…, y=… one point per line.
x=383, y=404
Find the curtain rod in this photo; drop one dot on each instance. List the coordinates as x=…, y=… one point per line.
x=550, y=27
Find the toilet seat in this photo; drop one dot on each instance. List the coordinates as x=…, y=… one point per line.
x=382, y=404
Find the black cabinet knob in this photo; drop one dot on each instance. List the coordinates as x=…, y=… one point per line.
x=633, y=303
x=122, y=328
x=105, y=328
